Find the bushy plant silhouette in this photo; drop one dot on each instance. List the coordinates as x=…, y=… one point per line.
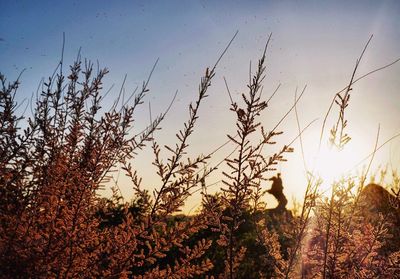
x=55, y=225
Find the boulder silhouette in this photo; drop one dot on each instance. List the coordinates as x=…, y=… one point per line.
x=374, y=201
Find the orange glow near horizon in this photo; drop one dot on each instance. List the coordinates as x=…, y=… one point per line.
x=331, y=164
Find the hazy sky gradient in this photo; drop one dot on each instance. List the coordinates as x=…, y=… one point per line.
x=315, y=43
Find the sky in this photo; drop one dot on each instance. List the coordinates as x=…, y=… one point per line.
x=314, y=44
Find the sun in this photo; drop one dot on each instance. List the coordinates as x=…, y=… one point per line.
x=332, y=164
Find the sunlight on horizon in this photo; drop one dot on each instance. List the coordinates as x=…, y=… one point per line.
x=332, y=164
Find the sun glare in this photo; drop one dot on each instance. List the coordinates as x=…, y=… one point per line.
x=332, y=164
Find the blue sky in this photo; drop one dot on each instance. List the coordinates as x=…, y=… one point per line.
x=314, y=43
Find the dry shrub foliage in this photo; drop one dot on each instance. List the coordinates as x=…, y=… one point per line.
x=55, y=225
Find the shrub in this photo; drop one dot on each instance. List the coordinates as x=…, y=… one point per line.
x=54, y=223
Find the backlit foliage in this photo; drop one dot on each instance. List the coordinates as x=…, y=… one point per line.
x=54, y=223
